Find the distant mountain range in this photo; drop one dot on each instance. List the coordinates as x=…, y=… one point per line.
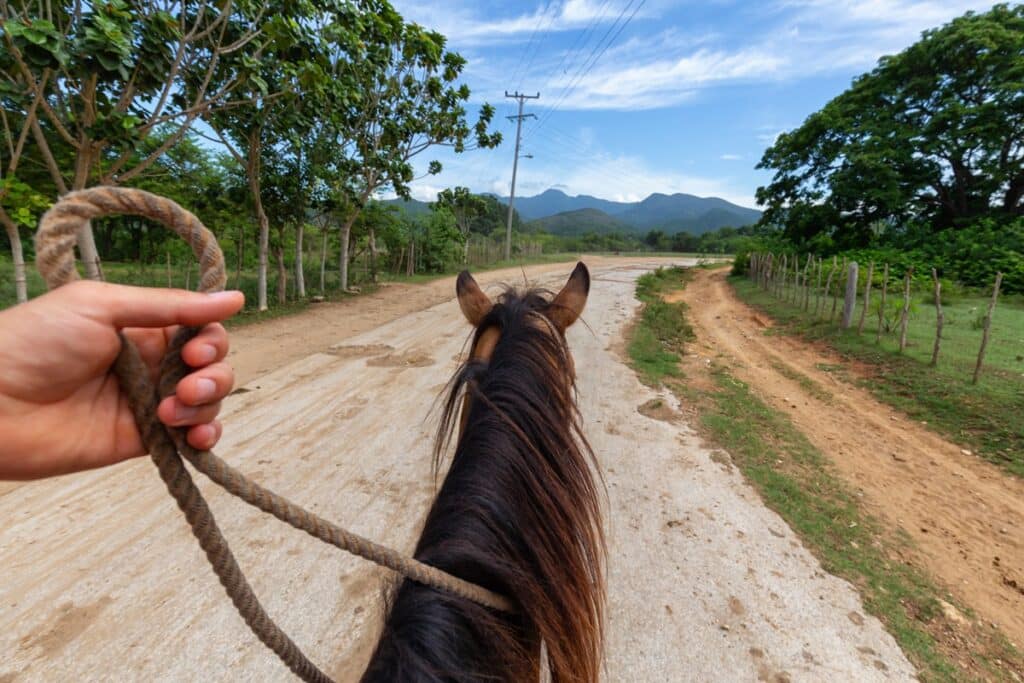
x=560, y=214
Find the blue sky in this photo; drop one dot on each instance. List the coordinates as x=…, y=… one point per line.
x=684, y=98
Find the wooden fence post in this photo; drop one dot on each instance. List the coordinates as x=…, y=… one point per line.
x=791, y=295
x=881, y=304
x=835, y=298
x=808, y=272
x=867, y=297
x=828, y=286
x=905, y=318
x=782, y=285
x=817, y=290
x=850, y=296
x=938, y=318
x=984, y=332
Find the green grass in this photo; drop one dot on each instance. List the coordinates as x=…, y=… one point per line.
x=805, y=382
x=984, y=418
x=796, y=480
x=657, y=341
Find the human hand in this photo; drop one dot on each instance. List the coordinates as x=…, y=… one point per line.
x=61, y=408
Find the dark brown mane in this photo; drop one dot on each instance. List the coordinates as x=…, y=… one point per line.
x=518, y=513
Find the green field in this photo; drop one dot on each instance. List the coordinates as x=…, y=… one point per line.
x=984, y=417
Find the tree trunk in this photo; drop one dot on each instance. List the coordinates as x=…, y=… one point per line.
x=300, y=277
x=240, y=253
x=18, y=255
x=253, y=172
x=282, y=276
x=261, y=278
x=86, y=242
x=346, y=232
x=373, y=255
x=323, y=261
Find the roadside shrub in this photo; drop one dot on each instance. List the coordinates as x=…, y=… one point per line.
x=741, y=263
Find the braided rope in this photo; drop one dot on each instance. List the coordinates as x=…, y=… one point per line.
x=55, y=241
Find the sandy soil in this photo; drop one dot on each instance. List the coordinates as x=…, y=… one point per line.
x=966, y=517
x=102, y=580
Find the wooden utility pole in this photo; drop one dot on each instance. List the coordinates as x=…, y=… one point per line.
x=515, y=164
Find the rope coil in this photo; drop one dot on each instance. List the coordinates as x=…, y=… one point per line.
x=55, y=259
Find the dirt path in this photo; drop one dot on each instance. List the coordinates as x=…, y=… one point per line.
x=102, y=580
x=965, y=516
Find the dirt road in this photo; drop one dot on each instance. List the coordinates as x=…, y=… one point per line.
x=965, y=517
x=102, y=580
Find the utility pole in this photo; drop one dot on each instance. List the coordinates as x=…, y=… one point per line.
x=515, y=164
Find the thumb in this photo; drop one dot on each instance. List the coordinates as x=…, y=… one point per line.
x=125, y=306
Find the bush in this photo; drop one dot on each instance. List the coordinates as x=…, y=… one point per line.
x=741, y=263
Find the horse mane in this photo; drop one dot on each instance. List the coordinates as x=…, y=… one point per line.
x=518, y=513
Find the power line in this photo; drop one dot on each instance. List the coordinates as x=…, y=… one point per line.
x=586, y=68
x=579, y=38
x=522, y=55
x=536, y=49
x=582, y=65
x=591, y=159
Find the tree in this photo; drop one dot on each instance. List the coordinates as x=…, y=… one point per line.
x=274, y=77
x=935, y=132
x=409, y=101
x=465, y=207
x=99, y=78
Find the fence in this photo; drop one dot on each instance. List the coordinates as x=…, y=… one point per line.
x=965, y=334
x=483, y=251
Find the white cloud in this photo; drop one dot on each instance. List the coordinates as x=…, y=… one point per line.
x=788, y=40
x=666, y=82
x=465, y=26
x=731, y=157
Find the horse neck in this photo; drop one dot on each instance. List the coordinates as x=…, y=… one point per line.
x=518, y=514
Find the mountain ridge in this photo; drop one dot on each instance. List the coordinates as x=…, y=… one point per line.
x=678, y=212
x=558, y=213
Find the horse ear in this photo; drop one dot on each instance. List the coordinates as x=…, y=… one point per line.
x=568, y=304
x=474, y=303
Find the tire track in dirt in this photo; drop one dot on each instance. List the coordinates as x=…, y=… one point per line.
x=965, y=516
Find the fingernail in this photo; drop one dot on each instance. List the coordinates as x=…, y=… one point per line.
x=226, y=294
x=205, y=388
x=183, y=413
x=206, y=354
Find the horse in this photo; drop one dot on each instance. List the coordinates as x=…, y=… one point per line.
x=517, y=513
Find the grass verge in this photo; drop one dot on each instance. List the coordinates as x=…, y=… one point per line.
x=795, y=480
x=984, y=417
x=658, y=338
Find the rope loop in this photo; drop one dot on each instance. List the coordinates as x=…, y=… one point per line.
x=55, y=242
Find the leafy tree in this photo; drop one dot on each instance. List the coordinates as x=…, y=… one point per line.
x=408, y=102
x=493, y=217
x=440, y=239
x=465, y=206
x=100, y=78
x=935, y=132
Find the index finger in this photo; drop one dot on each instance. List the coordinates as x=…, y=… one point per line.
x=125, y=306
